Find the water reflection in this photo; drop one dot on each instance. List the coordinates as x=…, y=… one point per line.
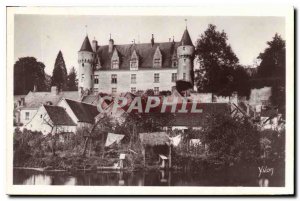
x=145, y=178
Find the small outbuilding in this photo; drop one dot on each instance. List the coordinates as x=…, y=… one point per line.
x=156, y=148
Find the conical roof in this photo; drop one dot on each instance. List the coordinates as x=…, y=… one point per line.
x=86, y=45
x=186, y=39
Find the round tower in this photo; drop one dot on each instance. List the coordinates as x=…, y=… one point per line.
x=85, y=68
x=185, y=54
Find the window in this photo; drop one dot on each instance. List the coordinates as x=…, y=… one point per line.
x=183, y=48
x=174, y=63
x=113, y=90
x=184, y=76
x=157, y=62
x=82, y=64
x=133, y=78
x=156, y=90
x=133, y=90
x=133, y=64
x=156, y=77
x=95, y=90
x=115, y=64
x=26, y=115
x=114, y=78
x=174, y=77
x=41, y=116
x=82, y=77
x=96, y=79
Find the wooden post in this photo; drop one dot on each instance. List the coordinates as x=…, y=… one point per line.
x=170, y=156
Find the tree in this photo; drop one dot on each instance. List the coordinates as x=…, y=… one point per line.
x=217, y=63
x=229, y=140
x=28, y=72
x=273, y=59
x=272, y=67
x=72, y=84
x=59, y=75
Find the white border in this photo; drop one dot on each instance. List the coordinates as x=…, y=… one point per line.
x=284, y=11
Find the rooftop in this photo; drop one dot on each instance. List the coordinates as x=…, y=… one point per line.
x=59, y=116
x=83, y=111
x=154, y=139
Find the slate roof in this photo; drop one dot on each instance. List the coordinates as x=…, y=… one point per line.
x=145, y=52
x=59, y=116
x=86, y=45
x=84, y=112
x=186, y=39
x=37, y=99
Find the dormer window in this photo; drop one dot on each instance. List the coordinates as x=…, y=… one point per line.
x=174, y=63
x=134, y=61
x=115, y=62
x=157, y=58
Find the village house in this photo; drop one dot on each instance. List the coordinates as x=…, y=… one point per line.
x=51, y=119
x=82, y=114
x=28, y=105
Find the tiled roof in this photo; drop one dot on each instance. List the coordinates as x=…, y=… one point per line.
x=37, y=99
x=59, y=116
x=86, y=45
x=84, y=112
x=145, y=52
x=186, y=39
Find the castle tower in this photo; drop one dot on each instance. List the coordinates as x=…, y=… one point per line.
x=185, y=54
x=85, y=67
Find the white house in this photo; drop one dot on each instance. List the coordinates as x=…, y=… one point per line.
x=51, y=119
x=82, y=114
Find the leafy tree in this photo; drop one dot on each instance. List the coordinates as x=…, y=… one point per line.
x=229, y=140
x=273, y=59
x=218, y=64
x=272, y=67
x=72, y=83
x=59, y=75
x=28, y=72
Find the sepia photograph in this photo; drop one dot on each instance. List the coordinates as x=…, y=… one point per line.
x=108, y=98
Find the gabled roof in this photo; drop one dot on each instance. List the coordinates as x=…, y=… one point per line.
x=86, y=45
x=84, y=112
x=145, y=52
x=186, y=39
x=59, y=116
x=37, y=99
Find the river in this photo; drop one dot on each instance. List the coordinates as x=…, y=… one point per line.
x=228, y=177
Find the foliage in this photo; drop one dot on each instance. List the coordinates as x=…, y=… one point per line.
x=59, y=74
x=273, y=59
x=219, y=71
x=72, y=82
x=229, y=140
x=272, y=67
x=27, y=73
x=183, y=86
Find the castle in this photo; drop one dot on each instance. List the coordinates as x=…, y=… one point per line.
x=115, y=69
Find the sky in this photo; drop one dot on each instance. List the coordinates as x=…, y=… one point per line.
x=42, y=36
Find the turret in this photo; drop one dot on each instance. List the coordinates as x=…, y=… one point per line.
x=185, y=54
x=85, y=68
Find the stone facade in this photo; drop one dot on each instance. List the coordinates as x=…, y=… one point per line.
x=116, y=69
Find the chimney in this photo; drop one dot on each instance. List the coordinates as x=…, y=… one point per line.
x=54, y=90
x=111, y=45
x=94, y=45
x=152, y=40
